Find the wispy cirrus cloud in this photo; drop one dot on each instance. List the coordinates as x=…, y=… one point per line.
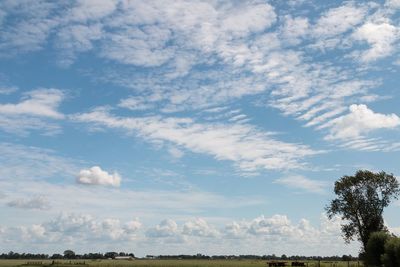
x=37, y=202
x=37, y=110
x=302, y=183
x=249, y=148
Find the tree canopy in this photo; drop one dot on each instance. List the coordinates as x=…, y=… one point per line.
x=360, y=201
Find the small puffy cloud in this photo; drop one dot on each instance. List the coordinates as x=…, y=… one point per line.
x=38, y=203
x=199, y=227
x=166, y=228
x=303, y=183
x=96, y=176
x=380, y=37
x=275, y=225
x=360, y=121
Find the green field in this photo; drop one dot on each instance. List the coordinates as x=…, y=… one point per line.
x=166, y=263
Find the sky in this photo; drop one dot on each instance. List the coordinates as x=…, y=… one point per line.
x=184, y=127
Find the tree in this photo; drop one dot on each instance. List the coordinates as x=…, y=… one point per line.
x=360, y=201
x=391, y=258
x=69, y=254
x=375, y=248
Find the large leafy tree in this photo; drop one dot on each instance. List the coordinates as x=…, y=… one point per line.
x=360, y=201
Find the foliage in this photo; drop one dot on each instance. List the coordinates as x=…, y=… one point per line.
x=69, y=254
x=391, y=258
x=375, y=248
x=360, y=202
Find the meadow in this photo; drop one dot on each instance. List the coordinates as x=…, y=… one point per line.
x=166, y=263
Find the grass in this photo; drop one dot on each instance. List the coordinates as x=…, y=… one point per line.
x=167, y=263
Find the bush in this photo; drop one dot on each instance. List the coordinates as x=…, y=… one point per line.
x=391, y=258
x=375, y=248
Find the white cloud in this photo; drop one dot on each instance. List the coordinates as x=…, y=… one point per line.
x=7, y=90
x=380, y=37
x=242, y=20
x=31, y=32
x=73, y=39
x=295, y=28
x=33, y=112
x=175, y=152
x=339, y=20
x=275, y=233
x=275, y=225
x=38, y=202
x=303, y=183
x=359, y=122
x=92, y=9
x=96, y=176
x=29, y=163
x=199, y=227
x=245, y=145
x=166, y=228
x=41, y=102
x=393, y=3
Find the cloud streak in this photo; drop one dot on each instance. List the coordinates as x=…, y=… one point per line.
x=249, y=148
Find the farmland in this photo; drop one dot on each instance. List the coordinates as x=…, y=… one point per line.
x=167, y=263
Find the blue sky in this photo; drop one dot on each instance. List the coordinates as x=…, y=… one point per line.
x=215, y=127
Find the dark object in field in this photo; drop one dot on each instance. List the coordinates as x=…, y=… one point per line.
x=297, y=263
x=34, y=263
x=276, y=263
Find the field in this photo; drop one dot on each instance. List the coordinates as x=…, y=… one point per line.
x=165, y=263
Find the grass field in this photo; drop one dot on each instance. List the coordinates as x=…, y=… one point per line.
x=167, y=263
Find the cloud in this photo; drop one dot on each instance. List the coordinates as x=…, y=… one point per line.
x=36, y=203
x=88, y=228
x=33, y=112
x=277, y=233
x=303, y=183
x=29, y=163
x=41, y=103
x=6, y=90
x=31, y=32
x=166, y=228
x=175, y=152
x=96, y=176
x=380, y=37
x=295, y=28
x=199, y=227
x=339, y=20
x=245, y=145
x=359, y=122
x=393, y=3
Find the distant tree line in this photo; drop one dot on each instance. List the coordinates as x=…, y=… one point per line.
x=254, y=257
x=68, y=254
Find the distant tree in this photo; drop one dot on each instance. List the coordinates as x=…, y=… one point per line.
x=375, y=248
x=346, y=258
x=69, y=254
x=111, y=255
x=56, y=256
x=360, y=200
